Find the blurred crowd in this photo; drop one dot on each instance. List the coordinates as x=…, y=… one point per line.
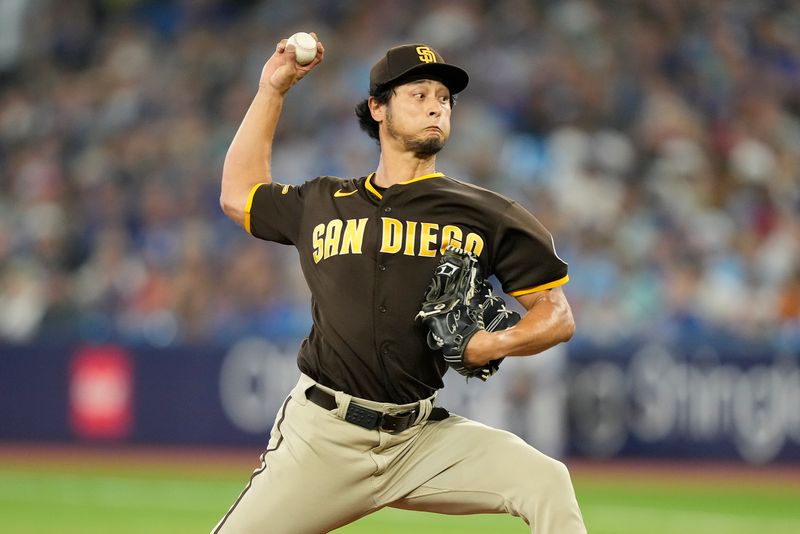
x=658, y=141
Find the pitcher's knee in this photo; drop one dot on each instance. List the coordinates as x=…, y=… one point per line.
x=545, y=485
x=560, y=474
x=549, y=479
x=546, y=499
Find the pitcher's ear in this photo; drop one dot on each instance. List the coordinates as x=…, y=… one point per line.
x=376, y=109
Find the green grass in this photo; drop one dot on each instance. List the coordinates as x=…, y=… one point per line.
x=156, y=499
x=612, y=506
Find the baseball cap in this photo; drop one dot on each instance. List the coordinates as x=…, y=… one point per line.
x=416, y=61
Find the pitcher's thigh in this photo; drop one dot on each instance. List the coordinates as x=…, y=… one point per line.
x=486, y=470
x=308, y=482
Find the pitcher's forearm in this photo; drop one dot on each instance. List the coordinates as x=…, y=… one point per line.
x=540, y=329
x=249, y=156
x=547, y=323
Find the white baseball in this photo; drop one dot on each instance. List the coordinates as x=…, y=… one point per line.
x=305, y=47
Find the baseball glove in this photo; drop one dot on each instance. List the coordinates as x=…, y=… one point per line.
x=458, y=303
x=496, y=316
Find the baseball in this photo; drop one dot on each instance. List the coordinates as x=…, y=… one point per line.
x=305, y=47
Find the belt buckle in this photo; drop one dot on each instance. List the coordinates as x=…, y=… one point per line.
x=372, y=419
x=403, y=421
x=363, y=417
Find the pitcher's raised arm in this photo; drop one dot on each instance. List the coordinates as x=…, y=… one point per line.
x=249, y=157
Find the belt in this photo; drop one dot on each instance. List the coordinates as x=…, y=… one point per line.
x=373, y=419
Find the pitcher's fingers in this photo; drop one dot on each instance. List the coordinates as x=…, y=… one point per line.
x=291, y=52
x=318, y=58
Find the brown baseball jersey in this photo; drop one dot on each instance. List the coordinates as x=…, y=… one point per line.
x=368, y=254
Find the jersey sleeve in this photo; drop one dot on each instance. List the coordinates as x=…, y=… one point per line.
x=274, y=212
x=525, y=258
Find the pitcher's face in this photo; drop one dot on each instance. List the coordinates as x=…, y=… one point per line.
x=417, y=117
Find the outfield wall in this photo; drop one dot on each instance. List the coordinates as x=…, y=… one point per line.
x=719, y=400
x=700, y=401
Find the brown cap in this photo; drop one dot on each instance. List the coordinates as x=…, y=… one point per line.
x=415, y=61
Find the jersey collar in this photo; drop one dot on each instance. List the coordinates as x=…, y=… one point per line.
x=372, y=189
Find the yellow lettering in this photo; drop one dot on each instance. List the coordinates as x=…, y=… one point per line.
x=428, y=238
x=392, y=237
x=411, y=237
x=316, y=237
x=474, y=244
x=353, y=236
x=347, y=237
x=332, y=238
x=451, y=235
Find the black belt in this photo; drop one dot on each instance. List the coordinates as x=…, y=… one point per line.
x=373, y=419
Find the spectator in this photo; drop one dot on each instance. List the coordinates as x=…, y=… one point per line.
x=660, y=141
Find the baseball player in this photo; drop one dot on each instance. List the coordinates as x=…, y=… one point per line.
x=360, y=430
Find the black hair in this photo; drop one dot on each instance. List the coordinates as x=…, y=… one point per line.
x=365, y=120
x=381, y=95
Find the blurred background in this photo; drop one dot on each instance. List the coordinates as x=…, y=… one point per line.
x=658, y=141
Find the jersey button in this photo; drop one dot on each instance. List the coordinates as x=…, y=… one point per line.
x=382, y=309
x=387, y=209
x=382, y=267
